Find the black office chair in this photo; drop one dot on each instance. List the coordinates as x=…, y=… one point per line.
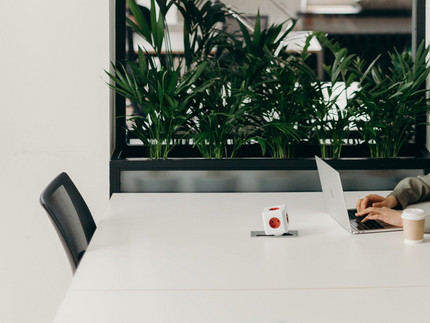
x=70, y=215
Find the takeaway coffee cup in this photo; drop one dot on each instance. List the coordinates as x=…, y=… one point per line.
x=413, y=225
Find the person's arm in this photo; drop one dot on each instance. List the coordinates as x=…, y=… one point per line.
x=412, y=190
x=409, y=190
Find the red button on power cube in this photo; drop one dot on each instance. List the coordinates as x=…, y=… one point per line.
x=274, y=223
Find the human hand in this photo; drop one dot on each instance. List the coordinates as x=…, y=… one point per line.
x=385, y=214
x=376, y=201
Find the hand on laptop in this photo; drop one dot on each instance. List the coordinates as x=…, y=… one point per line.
x=376, y=201
x=379, y=208
x=385, y=214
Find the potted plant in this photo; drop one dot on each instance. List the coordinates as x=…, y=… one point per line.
x=388, y=105
x=201, y=35
x=162, y=96
x=331, y=113
x=159, y=90
x=220, y=126
x=228, y=114
x=243, y=94
x=284, y=109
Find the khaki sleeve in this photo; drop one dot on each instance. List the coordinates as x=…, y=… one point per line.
x=412, y=190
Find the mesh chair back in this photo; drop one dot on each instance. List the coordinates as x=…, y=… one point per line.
x=70, y=215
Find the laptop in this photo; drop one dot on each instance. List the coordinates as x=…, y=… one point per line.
x=336, y=206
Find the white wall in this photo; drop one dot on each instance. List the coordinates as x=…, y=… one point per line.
x=54, y=109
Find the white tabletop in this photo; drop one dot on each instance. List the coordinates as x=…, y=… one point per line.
x=394, y=305
x=175, y=250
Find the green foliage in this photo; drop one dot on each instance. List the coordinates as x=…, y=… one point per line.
x=282, y=103
x=155, y=31
x=331, y=122
x=230, y=90
x=201, y=35
x=387, y=105
x=163, y=97
x=233, y=111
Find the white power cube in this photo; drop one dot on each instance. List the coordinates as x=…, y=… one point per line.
x=275, y=219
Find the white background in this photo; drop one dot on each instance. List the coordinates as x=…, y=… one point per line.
x=54, y=116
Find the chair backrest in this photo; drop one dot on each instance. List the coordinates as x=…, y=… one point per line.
x=70, y=215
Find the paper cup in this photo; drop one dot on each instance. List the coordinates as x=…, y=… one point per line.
x=413, y=225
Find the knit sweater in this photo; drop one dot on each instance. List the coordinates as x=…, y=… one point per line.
x=412, y=190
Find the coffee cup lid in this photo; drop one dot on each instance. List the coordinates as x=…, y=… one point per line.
x=413, y=214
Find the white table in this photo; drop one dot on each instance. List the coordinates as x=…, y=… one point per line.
x=189, y=257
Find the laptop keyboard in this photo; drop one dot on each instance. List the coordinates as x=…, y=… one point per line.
x=358, y=225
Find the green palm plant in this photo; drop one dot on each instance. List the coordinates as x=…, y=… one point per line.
x=229, y=90
x=389, y=104
x=220, y=115
x=155, y=31
x=283, y=107
x=160, y=91
x=331, y=122
x=225, y=115
x=256, y=49
x=201, y=33
x=163, y=96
